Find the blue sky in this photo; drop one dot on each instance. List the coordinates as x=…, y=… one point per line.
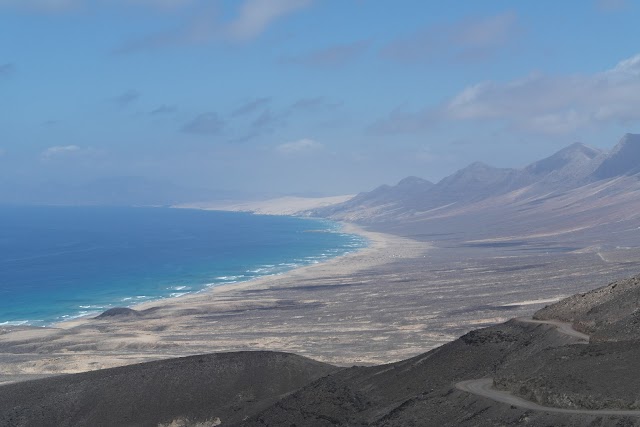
x=306, y=96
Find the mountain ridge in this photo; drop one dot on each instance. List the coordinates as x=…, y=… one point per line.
x=576, y=184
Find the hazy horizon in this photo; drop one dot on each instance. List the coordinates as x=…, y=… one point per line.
x=309, y=97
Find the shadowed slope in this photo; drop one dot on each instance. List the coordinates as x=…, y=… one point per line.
x=225, y=386
x=622, y=160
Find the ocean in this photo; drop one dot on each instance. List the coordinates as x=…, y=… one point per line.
x=60, y=263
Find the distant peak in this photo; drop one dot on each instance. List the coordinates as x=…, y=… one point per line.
x=575, y=154
x=623, y=159
x=478, y=166
x=628, y=139
x=477, y=171
x=579, y=148
x=576, y=146
x=413, y=181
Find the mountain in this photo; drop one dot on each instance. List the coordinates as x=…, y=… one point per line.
x=577, y=187
x=623, y=160
x=476, y=181
x=568, y=166
x=382, y=199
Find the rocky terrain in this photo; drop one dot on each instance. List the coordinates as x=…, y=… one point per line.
x=542, y=363
x=611, y=313
x=596, y=376
x=604, y=374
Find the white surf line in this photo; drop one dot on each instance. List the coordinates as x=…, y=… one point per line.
x=484, y=386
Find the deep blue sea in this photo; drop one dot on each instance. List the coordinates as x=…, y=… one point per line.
x=58, y=263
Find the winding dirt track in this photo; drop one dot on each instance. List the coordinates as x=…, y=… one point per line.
x=562, y=327
x=484, y=386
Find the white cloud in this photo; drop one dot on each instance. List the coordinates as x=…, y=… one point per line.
x=555, y=104
x=538, y=103
x=2, y=152
x=59, y=150
x=256, y=15
x=301, y=146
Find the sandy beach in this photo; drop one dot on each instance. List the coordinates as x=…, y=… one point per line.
x=395, y=299
x=208, y=321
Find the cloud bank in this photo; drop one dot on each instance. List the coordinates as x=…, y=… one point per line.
x=539, y=103
x=555, y=104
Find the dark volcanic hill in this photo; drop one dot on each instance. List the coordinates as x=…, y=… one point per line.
x=184, y=391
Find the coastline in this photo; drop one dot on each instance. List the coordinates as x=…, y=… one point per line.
x=363, y=257
x=376, y=243
x=214, y=320
x=393, y=300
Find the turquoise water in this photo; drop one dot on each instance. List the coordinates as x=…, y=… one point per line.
x=58, y=263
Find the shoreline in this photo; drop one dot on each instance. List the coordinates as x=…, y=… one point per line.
x=375, y=242
x=91, y=308
x=393, y=300
x=275, y=313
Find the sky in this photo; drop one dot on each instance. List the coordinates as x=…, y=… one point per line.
x=308, y=97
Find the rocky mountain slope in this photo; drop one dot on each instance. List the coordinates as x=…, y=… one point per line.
x=622, y=160
x=611, y=313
